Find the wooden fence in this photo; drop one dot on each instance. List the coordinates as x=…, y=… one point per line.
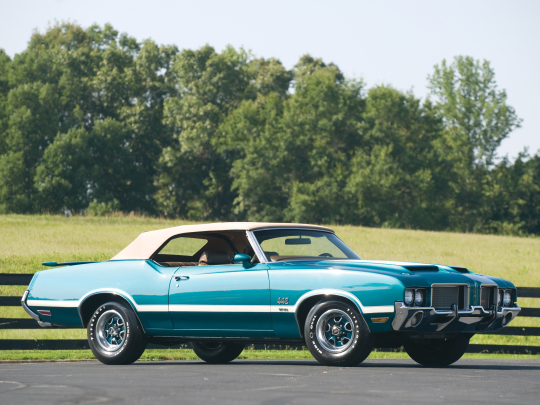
x=78, y=344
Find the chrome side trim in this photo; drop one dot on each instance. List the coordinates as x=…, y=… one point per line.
x=32, y=314
x=256, y=247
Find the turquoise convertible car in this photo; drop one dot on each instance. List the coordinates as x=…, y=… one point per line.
x=223, y=286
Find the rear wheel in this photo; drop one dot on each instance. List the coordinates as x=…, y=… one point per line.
x=437, y=352
x=337, y=335
x=217, y=352
x=115, y=335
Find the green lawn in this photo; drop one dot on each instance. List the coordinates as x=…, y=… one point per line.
x=27, y=241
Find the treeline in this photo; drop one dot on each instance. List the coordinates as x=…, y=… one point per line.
x=94, y=121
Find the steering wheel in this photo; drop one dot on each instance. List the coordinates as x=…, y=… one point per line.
x=325, y=255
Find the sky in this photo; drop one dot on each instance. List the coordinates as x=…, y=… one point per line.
x=382, y=42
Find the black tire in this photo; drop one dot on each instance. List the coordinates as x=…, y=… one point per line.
x=437, y=352
x=217, y=352
x=115, y=335
x=341, y=342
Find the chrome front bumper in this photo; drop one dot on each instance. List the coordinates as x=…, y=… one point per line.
x=33, y=314
x=429, y=320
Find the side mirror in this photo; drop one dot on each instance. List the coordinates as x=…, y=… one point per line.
x=245, y=260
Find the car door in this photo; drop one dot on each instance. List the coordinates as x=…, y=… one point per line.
x=221, y=301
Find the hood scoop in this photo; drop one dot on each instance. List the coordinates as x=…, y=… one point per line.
x=460, y=269
x=422, y=268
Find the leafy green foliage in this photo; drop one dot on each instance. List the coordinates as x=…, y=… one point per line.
x=93, y=120
x=476, y=119
x=84, y=120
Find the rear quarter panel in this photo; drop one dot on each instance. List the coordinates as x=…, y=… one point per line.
x=144, y=284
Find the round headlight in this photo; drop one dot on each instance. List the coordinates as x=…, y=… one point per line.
x=500, y=299
x=419, y=297
x=507, y=298
x=408, y=297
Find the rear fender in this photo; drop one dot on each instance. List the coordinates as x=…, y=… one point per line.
x=92, y=300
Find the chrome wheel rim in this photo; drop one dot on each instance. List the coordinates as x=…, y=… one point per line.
x=111, y=331
x=335, y=331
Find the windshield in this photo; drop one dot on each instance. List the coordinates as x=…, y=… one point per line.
x=297, y=244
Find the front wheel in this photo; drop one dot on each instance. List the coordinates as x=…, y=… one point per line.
x=115, y=335
x=337, y=335
x=437, y=352
x=217, y=352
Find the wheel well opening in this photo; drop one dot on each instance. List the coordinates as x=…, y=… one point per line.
x=306, y=305
x=89, y=306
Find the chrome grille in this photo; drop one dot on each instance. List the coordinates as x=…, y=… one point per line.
x=487, y=297
x=444, y=297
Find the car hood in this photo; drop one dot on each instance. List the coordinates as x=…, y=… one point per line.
x=409, y=273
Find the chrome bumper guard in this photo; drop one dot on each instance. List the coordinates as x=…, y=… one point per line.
x=474, y=320
x=32, y=314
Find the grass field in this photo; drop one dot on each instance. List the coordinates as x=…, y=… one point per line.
x=27, y=241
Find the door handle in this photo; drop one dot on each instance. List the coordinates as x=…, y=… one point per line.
x=180, y=278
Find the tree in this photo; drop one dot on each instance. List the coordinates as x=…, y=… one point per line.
x=71, y=79
x=194, y=179
x=253, y=140
x=91, y=119
x=63, y=178
x=474, y=111
x=321, y=123
x=5, y=64
x=33, y=123
x=476, y=118
x=513, y=197
x=396, y=174
x=286, y=150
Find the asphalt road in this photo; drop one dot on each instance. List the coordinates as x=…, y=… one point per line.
x=271, y=382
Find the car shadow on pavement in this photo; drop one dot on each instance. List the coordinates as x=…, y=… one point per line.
x=533, y=364
x=456, y=366
x=233, y=363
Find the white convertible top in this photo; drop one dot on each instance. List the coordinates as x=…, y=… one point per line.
x=144, y=246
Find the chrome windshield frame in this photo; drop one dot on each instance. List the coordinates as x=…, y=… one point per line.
x=256, y=247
